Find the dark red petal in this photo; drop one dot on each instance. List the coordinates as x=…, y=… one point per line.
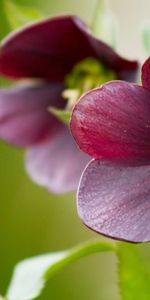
x=50, y=48
x=146, y=74
x=24, y=118
x=57, y=164
x=114, y=199
x=113, y=122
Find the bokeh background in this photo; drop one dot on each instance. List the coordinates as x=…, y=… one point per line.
x=32, y=221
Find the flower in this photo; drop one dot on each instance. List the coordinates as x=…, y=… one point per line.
x=54, y=55
x=112, y=124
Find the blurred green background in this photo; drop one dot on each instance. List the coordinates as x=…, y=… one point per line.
x=34, y=222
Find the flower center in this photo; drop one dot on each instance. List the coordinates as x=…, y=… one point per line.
x=86, y=75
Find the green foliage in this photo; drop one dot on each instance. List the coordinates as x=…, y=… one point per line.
x=31, y=275
x=62, y=115
x=134, y=273
x=146, y=37
x=4, y=24
x=18, y=15
x=104, y=24
x=5, y=82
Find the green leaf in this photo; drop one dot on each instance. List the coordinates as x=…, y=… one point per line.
x=146, y=37
x=4, y=82
x=4, y=25
x=30, y=275
x=62, y=115
x=134, y=273
x=104, y=24
x=18, y=15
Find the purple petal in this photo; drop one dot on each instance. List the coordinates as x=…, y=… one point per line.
x=114, y=199
x=146, y=74
x=50, y=48
x=58, y=163
x=24, y=118
x=113, y=122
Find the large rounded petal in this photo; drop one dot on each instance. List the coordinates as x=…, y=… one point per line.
x=146, y=74
x=113, y=122
x=24, y=116
x=58, y=163
x=50, y=48
x=114, y=199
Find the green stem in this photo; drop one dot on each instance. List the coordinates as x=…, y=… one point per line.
x=90, y=247
x=101, y=5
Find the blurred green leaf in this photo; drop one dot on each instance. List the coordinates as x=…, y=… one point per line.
x=104, y=24
x=4, y=25
x=146, y=37
x=31, y=274
x=5, y=82
x=18, y=15
x=62, y=115
x=134, y=273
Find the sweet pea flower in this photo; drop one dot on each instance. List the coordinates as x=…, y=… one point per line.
x=58, y=56
x=112, y=124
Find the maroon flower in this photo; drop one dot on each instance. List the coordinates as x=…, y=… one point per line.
x=49, y=51
x=112, y=124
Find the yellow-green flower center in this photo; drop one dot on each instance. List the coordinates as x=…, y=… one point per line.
x=86, y=75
